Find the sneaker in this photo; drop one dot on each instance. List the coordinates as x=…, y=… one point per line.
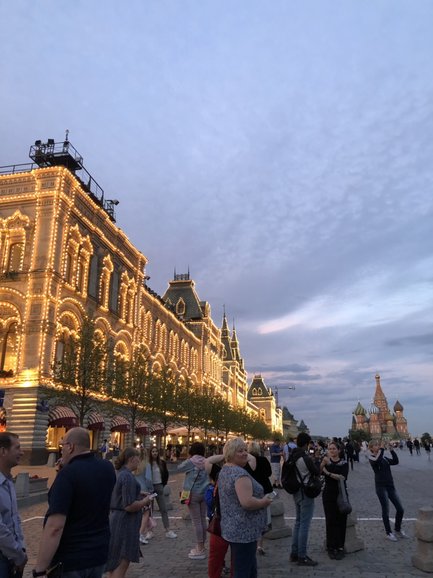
x=339, y=554
x=143, y=539
x=391, y=537
x=307, y=561
x=197, y=555
x=293, y=557
x=149, y=535
x=170, y=534
x=332, y=554
x=401, y=534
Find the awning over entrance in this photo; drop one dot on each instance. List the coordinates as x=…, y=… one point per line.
x=62, y=416
x=120, y=424
x=95, y=421
x=141, y=427
x=156, y=429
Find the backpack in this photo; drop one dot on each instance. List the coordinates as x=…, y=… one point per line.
x=292, y=481
x=289, y=476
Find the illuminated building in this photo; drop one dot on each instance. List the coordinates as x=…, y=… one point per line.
x=63, y=257
x=379, y=421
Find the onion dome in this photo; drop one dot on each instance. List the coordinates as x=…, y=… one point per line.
x=374, y=409
x=389, y=416
x=359, y=410
x=398, y=406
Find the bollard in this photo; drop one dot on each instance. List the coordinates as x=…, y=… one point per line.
x=279, y=527
x=423, y=559
x=352, y=542
x=22, y=485
x=52, y=459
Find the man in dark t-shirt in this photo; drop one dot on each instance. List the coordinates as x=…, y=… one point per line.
x=76, y=530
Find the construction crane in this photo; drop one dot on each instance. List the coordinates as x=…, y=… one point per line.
x=278, y=387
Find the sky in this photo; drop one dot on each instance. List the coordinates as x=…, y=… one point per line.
x=282, y=151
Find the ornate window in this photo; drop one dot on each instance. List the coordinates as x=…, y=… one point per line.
x=104, y=284
x=180, y=307
x=16, y=257
x=9, y=348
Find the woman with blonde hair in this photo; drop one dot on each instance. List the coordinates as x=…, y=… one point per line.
x=127, y=503
x=243, y=509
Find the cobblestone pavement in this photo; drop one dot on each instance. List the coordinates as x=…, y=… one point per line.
x=167, y=558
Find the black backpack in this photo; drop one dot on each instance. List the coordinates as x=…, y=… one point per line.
x=289, y=476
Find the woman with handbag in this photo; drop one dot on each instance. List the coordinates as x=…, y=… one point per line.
x=194, y=487
x=335, y=468
x=127, y=503
x=153, y=479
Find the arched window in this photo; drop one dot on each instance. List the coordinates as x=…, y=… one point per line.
x=16, y=257
x=180, y=307
x=9, y=349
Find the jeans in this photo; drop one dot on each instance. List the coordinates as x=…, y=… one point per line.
x=197, y=511
x=244, y=559
x=5, y=568
x=159, y=489
x=385, y=493
x=276, y=472
x=304, y=514
x=217, y=550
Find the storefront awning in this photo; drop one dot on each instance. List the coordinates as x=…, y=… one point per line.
x=62, y=416
x=141, y=427
x=95, y=421
x=120, y=424
x=156, y=429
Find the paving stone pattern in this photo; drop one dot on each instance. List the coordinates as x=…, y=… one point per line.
x=168, y=558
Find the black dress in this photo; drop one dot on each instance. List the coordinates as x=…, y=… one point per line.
x=335, y=522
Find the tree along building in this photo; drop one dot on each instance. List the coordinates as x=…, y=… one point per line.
x=379, y=421
x=63, y=258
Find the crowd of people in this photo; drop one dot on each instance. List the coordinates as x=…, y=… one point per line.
x=99, y=515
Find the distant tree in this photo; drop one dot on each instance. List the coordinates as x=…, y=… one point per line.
x=190, y=407
x=359, y=435
x=163, y=397
x=259, y=430
x=81, y=372
x=426, y=437
x=130, y=386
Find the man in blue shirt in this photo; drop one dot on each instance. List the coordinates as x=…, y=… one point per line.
x=76, y=530
x=13, y=555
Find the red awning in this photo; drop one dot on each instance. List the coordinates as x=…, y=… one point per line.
x=62, y=416
x=156, y=429
x=95, y=421
x=120, y=424
x=141, y=427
